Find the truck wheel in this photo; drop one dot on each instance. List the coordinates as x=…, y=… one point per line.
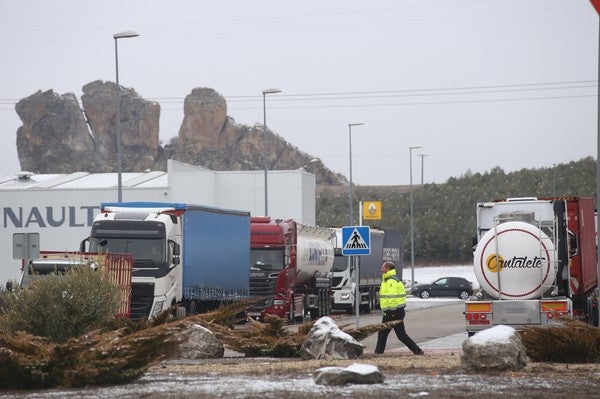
x=367, y=307
x=314, y=314
x=299, y=318
x=180, y=312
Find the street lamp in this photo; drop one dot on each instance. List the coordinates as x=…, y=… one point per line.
x=422, y=168
x=117, y=36
x=554, y=181
x=351, y=214
x=264, y=93
x=412, y=232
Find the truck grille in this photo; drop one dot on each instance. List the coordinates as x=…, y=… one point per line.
x=142, y=296
x=335, y=281
x=262, y=284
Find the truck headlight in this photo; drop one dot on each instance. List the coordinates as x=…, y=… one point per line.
x=345, y=295
x=158, y=308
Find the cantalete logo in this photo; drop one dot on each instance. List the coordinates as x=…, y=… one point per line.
x=496, y=263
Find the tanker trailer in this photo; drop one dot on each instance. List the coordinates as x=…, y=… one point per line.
x=535, y=261
x=290, y=267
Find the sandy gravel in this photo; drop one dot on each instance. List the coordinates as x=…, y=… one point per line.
x=438, y=375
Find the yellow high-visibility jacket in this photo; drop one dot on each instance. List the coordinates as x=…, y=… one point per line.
x=392, y=294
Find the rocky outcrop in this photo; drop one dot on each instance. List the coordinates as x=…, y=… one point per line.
x=57, y=137
x=54, y=137
x=139, y=126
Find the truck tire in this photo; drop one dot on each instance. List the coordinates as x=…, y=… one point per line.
x=180, y=312
x=299, y=317
x=366, y=308
x=314, y=314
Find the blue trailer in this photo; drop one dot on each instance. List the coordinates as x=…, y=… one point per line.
x=189, y=258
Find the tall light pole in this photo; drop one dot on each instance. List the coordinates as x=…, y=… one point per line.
x=422, y=166
x=412, y=232
x=117, y=36
x=554, y=181
x=351, y=214
x=264, y=93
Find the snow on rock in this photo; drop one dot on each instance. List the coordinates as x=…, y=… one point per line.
x=497, y=348
x=354, y=374
x=326, y=341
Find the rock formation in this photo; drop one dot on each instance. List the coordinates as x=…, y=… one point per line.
x=54, y=137
x=139, y=126
x=58, y=137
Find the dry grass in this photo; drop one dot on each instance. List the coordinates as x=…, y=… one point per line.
x=122, y=355
x=571, y=342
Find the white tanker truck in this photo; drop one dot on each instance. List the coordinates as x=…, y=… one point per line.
x=535, y=260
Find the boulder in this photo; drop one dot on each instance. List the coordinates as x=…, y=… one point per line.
x=326, y=341
x=353, y=374
x=197, y=342
x=496, y=349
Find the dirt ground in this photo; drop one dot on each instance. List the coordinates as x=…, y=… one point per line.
x=436, y=375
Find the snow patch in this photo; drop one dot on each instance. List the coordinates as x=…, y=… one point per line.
x=496, y=334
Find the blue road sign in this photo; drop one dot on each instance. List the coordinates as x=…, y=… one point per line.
x=356, y=240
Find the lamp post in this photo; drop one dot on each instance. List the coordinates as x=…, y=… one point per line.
x=412, y=232
x=264, y=93
x=117, y=36
x=554, y=181
x=422, y=168
x=351, y=214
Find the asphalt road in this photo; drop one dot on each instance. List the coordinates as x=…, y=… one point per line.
x=426, y=320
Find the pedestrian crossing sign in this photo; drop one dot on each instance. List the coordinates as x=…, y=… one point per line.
x=356, y=240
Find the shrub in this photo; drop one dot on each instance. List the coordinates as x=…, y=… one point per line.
x=61, y=306
x=572, y=342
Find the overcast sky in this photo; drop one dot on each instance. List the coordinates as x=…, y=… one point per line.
x=476, y=83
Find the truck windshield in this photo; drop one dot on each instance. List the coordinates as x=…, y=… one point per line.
x=143, y=249
x=340, y=263
x=266, y=259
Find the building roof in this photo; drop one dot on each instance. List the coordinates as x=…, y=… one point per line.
x=81, y=180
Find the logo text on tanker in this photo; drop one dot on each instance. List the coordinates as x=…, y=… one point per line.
x=495, y=262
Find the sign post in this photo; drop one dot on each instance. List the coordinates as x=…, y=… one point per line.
x=26, y=246
x=356, y=240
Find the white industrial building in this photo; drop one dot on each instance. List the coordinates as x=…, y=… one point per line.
x=61, y=207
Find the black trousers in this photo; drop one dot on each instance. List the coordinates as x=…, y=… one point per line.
x=399, y=329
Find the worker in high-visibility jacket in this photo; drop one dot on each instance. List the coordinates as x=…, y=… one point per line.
x=392, y=299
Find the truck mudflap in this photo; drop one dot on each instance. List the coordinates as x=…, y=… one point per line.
x=480, y=315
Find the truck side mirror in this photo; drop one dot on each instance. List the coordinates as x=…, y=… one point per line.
x=176, y=253
x=84, y=244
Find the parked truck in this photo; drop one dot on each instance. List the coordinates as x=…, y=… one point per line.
x=386, y=245
x=186, y=257
x=290, y=269
x=344, y=272
x=535, y=260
